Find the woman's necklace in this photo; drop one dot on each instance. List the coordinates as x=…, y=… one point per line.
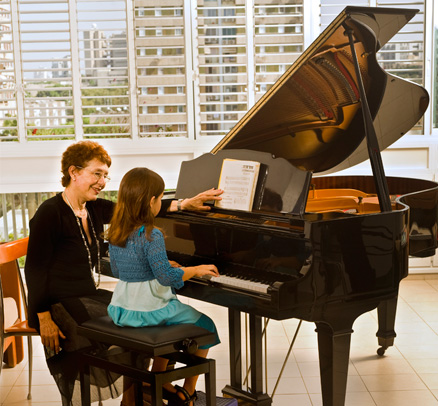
x=96, y=284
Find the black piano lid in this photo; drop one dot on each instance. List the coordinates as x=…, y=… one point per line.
x=312, y=117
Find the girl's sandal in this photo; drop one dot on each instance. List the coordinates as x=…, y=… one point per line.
x=175, y=400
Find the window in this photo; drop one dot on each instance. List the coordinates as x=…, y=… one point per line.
x=435, y=71
x=164, y=66
x=403, y=55
x=271, y=20
x=46, y=59
x=83, y=73
x=104, y=68
x=216, y=67
x=8, y=102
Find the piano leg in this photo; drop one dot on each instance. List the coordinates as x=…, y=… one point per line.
x=386, y=311
x=334, y=352
x=255, y=396
x=255, y=343
x=235, y=333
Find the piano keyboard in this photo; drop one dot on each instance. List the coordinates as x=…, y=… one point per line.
x=232, y=275
x=231, y=281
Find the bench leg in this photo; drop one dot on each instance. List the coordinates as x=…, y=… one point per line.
x=85, y=385
x=138, y=393
x=210, y=383
x=156, y=386
x=157, y=392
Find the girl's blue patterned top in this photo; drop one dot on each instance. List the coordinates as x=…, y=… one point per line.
x=142, y=260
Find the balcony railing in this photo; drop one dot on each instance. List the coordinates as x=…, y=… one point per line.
x=17, y=209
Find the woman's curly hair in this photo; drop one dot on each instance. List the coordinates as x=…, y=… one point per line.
x=79, y=154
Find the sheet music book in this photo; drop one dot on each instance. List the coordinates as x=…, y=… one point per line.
x=238, y=180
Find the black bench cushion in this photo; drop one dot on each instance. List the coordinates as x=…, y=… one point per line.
x=157, y=340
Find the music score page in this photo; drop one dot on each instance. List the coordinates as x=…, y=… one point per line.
x=238, y=180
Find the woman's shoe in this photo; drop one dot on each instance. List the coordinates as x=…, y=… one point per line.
x=175, y=400
x=171, y=397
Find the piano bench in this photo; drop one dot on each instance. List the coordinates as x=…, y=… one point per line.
x=176, y=343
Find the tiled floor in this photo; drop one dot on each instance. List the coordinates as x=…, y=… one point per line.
x=406, y=375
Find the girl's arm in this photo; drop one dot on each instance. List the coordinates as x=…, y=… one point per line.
x=162, y=269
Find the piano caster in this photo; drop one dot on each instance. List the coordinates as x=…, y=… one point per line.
x=381, y=351
x=386, y=311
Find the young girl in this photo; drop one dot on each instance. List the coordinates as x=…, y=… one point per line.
x=144, y=295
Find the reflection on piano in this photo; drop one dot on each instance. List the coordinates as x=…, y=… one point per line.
x=323, y=249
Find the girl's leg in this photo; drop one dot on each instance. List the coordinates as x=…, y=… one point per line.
x=160, y=364
x=190, y=382
x=186, y=314
x=128, y=399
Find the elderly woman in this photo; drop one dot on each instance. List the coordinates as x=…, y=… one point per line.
x=62, y=267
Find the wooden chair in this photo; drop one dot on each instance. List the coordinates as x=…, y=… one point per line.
x=13, y=307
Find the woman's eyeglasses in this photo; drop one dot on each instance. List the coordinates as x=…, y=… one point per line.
x=98, y=175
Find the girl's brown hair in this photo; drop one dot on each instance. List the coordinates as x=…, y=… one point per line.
x=79, y=154
x=133, y=209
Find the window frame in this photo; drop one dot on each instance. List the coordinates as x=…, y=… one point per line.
x=196, y=145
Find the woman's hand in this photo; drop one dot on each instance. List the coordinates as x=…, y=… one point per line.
x=197, y=203
x=174, y=264
x=50, y=332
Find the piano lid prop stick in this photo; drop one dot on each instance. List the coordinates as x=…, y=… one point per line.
x=372, y=144
x=248, y=368
x=287, y=358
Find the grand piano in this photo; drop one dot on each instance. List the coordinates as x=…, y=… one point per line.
x=315, y=247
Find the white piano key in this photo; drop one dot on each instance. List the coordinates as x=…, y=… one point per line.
x=240, y=283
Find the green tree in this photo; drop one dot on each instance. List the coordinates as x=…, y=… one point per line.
x=12, y=122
